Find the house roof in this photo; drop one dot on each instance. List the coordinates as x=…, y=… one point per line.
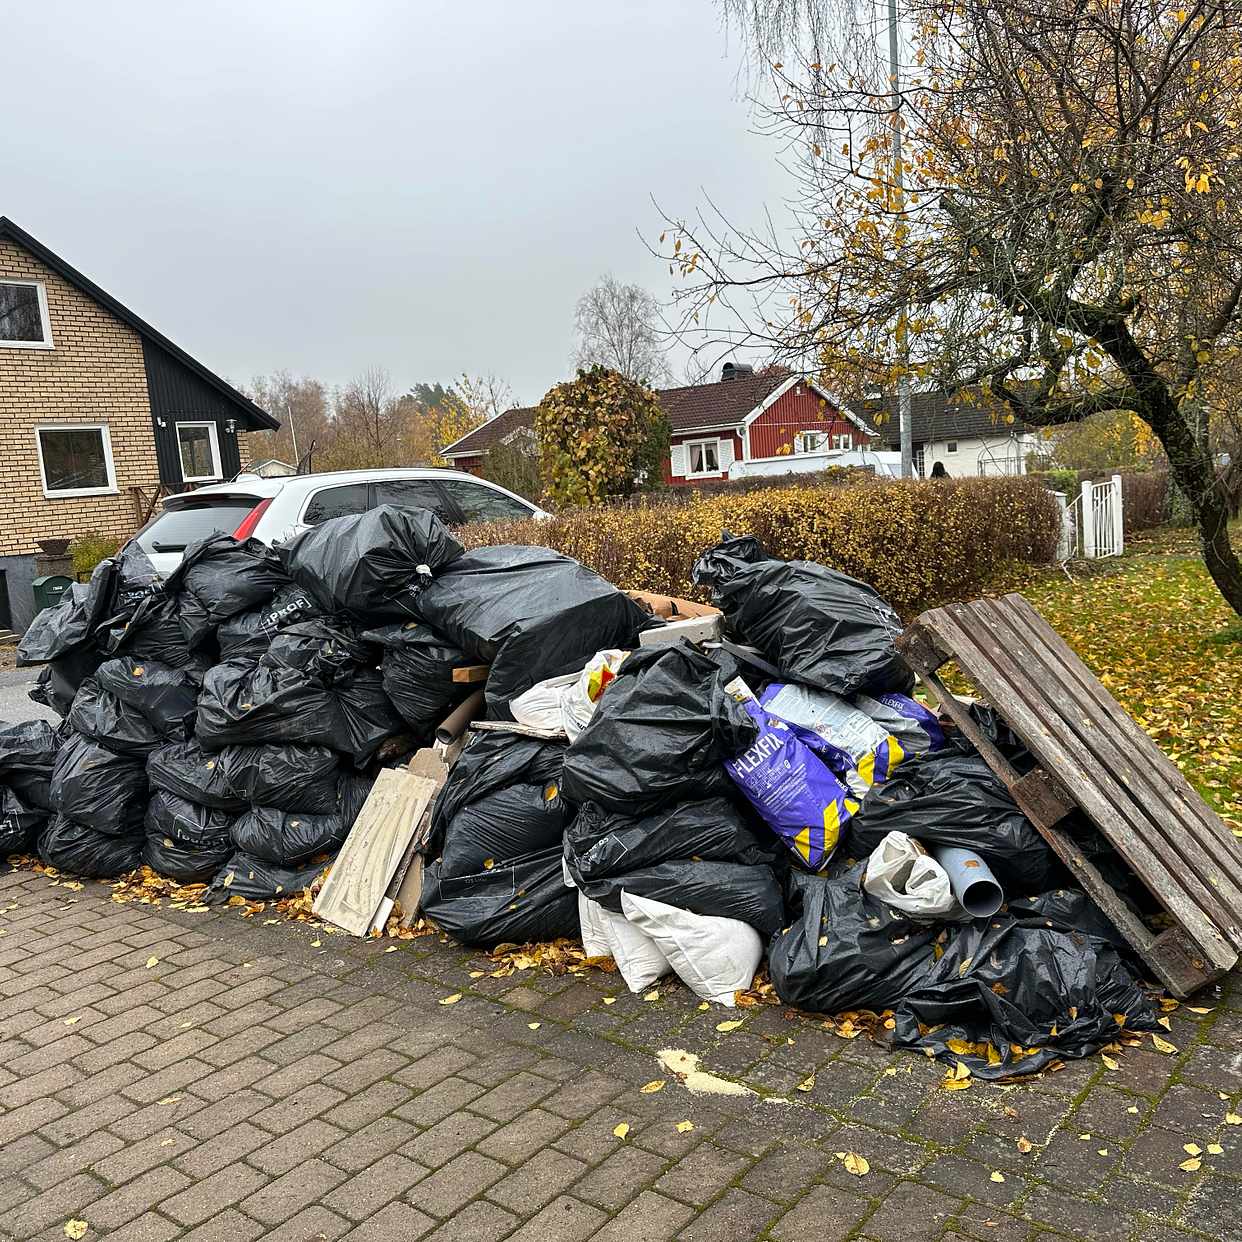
x=935, y=416
x=696, y=407
x=254, y=418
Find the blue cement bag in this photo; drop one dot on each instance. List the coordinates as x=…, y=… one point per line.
x=795, y=792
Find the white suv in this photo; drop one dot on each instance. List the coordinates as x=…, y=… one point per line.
x=275, y=509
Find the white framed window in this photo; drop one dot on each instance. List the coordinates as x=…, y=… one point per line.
x=75, y=459
x=810, y=442
x=842, y=441
x=198, y=450
x=24, y=322
x=951, y=447
x=704, y=457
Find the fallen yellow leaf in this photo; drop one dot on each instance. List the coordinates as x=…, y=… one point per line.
x=170, y=1099
x=72, y=1021
x=1233, y=1119
x=961, y=1070
x=1192, y=1149
x=316, y=944
x=653, y=995
x=152, y=961
x=729, y=1026
x=807, y=1084
x=1024, y=1144
x=1191, y=1165
x=622, y=1130
x=650, y=1088
x=1197, y=1009
x=1109, y=1062
x=610, y=1000
x=684, y=1127
x=856, y=1164
x=997, y=1176
x=704, y=1007
x=1215, y=1149
x=451, y=1000
x=534, y=1026
x=75, y=1228
x=392, y=948
x=1163, y=1045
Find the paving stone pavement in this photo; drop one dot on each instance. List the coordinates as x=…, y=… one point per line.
x=248, y=1085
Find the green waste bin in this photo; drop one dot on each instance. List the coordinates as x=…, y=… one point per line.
x=49, y=589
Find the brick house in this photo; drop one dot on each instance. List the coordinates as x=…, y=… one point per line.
x=741, y=418
x=98, y=412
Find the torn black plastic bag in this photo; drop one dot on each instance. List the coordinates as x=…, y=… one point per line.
x=491, y=762
x=188, y=823
x=20, y=823
x=373, y=564
x=99, y=715
x=247, y=635
x=27, y=755
x=218, y=577
x=286, y=838
x=660, y=733
x=185, y=769
x=1003, y=986
x=187, y=864
x=167, y=697
x=74, y=848
x=508, y=823
x=242, y=875
x=93, y=785
x=288, y=777
x=949, y=798
x=59, y=681
x=70, y=625
x=817, y=625
x=242, y=704
x=417, y=668
x=843, y=949
x=514, y=902
x=699, y=856
x=530, y=613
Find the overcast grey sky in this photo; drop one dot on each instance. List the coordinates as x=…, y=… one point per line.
x=424, y=185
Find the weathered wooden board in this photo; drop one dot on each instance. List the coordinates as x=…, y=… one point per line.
x=359, y=879
x=1094, y=758
x=469, y=674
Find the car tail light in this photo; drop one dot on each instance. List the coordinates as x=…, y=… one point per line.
x=251, y=520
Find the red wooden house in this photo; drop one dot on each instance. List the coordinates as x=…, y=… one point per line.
x=743, y=417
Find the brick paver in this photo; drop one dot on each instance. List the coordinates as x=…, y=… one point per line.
x=250, y=1085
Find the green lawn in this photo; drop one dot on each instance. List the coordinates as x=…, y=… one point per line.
x=1154, y=629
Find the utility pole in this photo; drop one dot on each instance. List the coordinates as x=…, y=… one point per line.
x=293, y=428
x=903, y=343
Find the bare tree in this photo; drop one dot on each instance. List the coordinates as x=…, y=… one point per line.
x=301, y=405
x=484, y=396
x=618, y=326
x=368, y=415
x=1062, y=233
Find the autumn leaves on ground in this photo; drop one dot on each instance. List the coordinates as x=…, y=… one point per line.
x=1157, y=633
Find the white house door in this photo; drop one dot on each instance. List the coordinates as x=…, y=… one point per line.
x=918, y=460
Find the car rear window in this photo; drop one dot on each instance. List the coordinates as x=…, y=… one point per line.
x=174, y=529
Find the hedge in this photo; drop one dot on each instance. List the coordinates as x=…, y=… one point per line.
x=918, y=543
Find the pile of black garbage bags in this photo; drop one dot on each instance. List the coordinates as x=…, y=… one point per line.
x=779, y=793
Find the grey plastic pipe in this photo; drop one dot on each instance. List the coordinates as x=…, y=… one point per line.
x=970, y=880
x=455, y=723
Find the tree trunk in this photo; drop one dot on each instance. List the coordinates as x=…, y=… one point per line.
x=1191, y=466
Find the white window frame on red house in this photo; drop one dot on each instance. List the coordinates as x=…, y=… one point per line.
x=810, y=442
x=690, y=446
x=842, y=441
x=45, y=318
x=68, y=493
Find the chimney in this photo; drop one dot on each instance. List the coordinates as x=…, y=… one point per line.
x=735, y=370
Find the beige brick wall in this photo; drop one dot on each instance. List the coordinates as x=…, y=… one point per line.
x=94, y=374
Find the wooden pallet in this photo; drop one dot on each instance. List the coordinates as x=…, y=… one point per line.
x=1093, y=757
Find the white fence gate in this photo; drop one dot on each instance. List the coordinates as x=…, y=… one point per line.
x=1092, y=526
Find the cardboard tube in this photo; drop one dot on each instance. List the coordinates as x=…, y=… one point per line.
x=454, y=724
x=971, y=881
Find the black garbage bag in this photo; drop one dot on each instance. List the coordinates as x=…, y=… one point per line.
x=242, y=875
x=817, y=625
x=949, y=798
x=418, y=668
x=154, y=632
x=218, y=577
x=74, y=848
x=247, y=635
x=27, y=756
x=1004, y=985
x=1066, y=909
x=660, y=733
x=185, y=769
x=699, y=856
x=70, y=625
x=530, y=613
x=99, y=715
x=20, y=823
x=322, y=652
x=93, y=785
x=286, y=838
x=491, y=762
x=365, y=717
x=62, y=678
x=188, y=823
x=509, y=823
x=513, y=902
x=166, y=696
x=187, y=864
x=844, y=949
x=352, y=791
x=242, y=704
x=372, y=564
x=288, y=777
